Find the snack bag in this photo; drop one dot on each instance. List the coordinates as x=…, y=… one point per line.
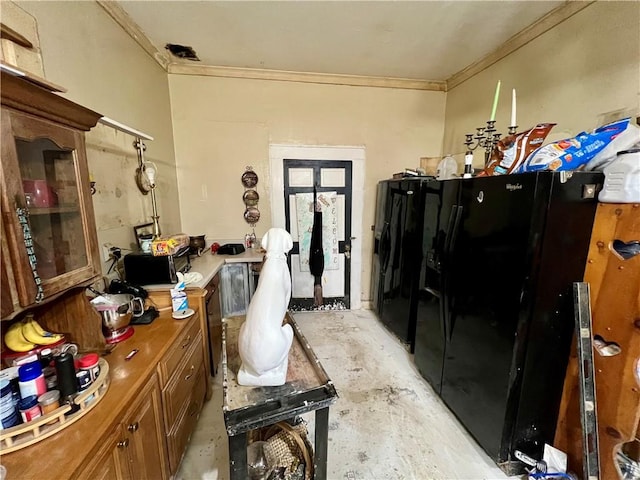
x=512, y=150
x=573, y=153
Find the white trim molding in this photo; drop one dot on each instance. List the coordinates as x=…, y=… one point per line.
x=305, y=77
x=533, y=31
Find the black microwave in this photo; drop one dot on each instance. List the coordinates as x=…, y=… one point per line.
x=146, y=269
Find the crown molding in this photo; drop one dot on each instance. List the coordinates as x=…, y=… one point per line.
x=122, y=18
x=304, y=77
x=533, y=31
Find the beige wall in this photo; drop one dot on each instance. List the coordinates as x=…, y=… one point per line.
x=221, y=125
x=578, y=75
x=102, y=68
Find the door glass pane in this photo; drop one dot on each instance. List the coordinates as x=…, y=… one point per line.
x=51, y=194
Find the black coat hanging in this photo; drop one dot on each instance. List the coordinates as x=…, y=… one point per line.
x=316, y=255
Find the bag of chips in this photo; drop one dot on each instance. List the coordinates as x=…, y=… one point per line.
x=573, y=153
x=512, y=150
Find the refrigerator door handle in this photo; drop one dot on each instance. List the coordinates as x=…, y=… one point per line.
x=432, y=291
x=385, y=247
x=455, y=229
x=452, y=235
x=447, y=241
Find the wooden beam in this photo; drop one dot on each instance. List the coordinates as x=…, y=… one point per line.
x=122, y=18
x=10, y=34
x=304, y=77
x=533, y=31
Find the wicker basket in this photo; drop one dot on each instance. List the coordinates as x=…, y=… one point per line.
x=286, y=448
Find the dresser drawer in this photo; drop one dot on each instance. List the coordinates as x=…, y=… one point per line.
x=179, y=435
x=183, y=382
x=172, y=359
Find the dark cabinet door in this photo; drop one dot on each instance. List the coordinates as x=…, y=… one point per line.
x=490, y=239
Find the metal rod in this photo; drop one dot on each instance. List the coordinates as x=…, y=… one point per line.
x=588, y=407
x=155, y=217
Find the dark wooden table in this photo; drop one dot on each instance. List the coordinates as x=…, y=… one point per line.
x=307, y=388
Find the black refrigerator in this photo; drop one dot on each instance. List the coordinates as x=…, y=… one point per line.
x=492, y=300
x=397, y=251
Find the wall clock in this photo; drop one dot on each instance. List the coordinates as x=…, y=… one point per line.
x=144, y=185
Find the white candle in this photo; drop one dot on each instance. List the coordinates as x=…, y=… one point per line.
x=495, y=102
x=513, y=108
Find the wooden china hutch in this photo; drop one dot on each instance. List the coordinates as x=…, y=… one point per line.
x=49, y=255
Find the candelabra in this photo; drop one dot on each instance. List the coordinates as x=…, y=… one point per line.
x=485, y=137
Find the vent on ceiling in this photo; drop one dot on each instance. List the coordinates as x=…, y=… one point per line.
x=182, y=51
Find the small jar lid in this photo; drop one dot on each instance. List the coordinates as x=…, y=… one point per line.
x=27, y=402
x=52, y=396
x=89, y=360
x=29, y=371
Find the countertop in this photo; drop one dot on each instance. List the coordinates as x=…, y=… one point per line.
x=63, y=454
x=209, y=264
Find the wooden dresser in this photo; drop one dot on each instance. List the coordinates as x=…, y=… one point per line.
x=141, y=427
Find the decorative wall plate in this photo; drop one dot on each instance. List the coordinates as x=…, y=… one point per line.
x=249, y=178
x=252, y=215
x=250, y=198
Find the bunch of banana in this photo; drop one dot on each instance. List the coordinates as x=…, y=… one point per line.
x=27, y=334
x=14, y=339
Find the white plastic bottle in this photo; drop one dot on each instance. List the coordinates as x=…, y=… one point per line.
x=622, y=178
x=447, y=168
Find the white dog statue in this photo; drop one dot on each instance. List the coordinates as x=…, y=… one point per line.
x=263, y=342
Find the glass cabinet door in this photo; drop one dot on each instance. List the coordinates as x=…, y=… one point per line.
x=50, y=188
x=50, y=232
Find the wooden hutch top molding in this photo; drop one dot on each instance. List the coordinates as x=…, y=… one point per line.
x=27, y=97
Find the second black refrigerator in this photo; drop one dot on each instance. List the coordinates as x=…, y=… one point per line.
x=492, y=300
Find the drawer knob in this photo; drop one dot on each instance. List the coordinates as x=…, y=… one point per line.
x=133, y=427
x=187, y=342
x=190, y=372
x=123, y=443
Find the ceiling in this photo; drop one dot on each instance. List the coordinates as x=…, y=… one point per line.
x=421, y=40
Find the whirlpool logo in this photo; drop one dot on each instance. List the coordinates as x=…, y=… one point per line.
x=512, y=187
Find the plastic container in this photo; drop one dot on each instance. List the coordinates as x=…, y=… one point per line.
x=8, y=412
x=447, y=168
x=11, y=374
x=622, y=178
x=29, y=408
x=89, y=363
x=46, y=357
x=31, y=380
x=83, y=377
x=179, y=300
x=49, y=402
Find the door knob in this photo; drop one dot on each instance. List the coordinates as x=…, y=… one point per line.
x=133, y=427
x=123, y=443
x=347, y=251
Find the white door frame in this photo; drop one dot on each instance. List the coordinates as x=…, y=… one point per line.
x=356, y=155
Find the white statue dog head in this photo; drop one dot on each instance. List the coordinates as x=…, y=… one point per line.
x=277, y=242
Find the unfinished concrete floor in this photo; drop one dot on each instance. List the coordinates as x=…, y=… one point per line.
x=386, y=424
